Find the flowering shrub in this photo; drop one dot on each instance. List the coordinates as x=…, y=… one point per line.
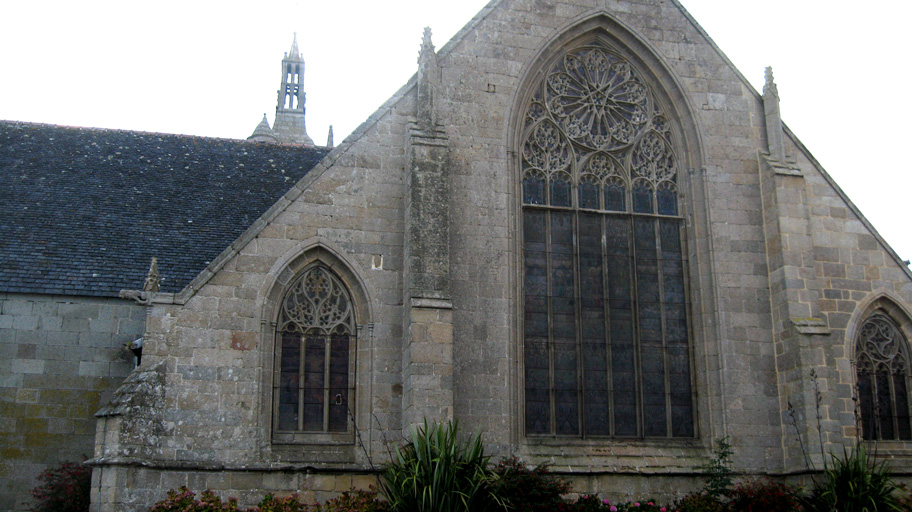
x=184, y=500
x=699, y=502
x=763, y=496
x=592, y=503
x=529, y=490
x=353, y=501
x=65, y=489
x=287, y=504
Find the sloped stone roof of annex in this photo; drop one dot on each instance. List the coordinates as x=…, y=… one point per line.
x=84, y=210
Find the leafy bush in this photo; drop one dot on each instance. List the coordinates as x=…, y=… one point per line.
x=853, y=483
x=699, y=502
x=592, y=503
x=435, y=472
x=184, y=500
x=65, y=489
x=529, y=490
x=353, y=501
x=762, y=496
x=719, y=472
x=287, y=504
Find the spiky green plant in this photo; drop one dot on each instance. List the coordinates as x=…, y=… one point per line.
x=854, y=483
x=435, y=472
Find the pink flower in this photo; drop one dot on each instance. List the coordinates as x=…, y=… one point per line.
x=613, y=509
x=637, y=504
x=650, y=503
x=662, y=509
x=605, y=502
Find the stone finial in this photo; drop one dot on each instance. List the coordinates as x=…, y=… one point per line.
x=769, y=88
x=774, y=135
x=153, y=282
x=428, y=78
x=329, y=138
x=426, y=44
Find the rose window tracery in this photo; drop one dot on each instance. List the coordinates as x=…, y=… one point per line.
x=593, y=114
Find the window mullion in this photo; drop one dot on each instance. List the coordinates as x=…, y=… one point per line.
x=578, y=310
x=552, y=392
x=326, y=353
x=635, y=325
x=606, y=305
x=662, y=309
x=302, y=378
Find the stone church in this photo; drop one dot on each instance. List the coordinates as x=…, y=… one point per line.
x=577, y=228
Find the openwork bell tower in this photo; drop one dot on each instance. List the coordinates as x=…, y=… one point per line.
x=289, y=125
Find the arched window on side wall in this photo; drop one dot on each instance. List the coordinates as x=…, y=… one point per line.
x=605, y=336
x=882, y=372
x=315, y=347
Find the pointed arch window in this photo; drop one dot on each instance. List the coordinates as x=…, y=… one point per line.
x=315, y=345
x=882, y=371
x=605, y=335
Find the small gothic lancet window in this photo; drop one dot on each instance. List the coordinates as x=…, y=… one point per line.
x=315, y=341
x=882, y=365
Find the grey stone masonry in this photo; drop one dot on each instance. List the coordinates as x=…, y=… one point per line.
x=427, y=364
x=61, y=358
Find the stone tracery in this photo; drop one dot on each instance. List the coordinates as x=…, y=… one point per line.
x=605, y=337
x=594, y=114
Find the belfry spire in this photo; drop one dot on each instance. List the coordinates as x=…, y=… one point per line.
x=289, y=126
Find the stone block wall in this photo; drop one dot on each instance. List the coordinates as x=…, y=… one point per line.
x=61, y=358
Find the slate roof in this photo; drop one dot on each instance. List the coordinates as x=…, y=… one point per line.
x=83, y=210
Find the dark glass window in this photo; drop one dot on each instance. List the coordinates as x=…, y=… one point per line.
x=315, y=343
x=605, y=337
x=882, y=365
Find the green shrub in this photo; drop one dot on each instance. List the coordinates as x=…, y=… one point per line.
x=719, y=472
x=184, y=500
x=66, y=488
x=435, y=472
x=287, y=504
x=529, y=490
x=762, y=496
x=593, y=503
x=699, y=502
x=853, y=483
x=354, y=501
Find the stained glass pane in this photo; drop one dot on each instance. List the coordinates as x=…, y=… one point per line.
x=642, y=198
x=615, y=197
x=560, y=192
x=668, y=201
x=534, y=190
x=289, y=392
x=314, y=383
x=538, y=385
x=566, y=410
x=902, y=407
x=884, y=404
x=588, y=195
x=338, y=384
x=866, y=404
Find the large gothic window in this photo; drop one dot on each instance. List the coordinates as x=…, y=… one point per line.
x=605, y=335
x=882, y=365
x=315, y=343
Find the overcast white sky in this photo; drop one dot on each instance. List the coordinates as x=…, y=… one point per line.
x=212, y=68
